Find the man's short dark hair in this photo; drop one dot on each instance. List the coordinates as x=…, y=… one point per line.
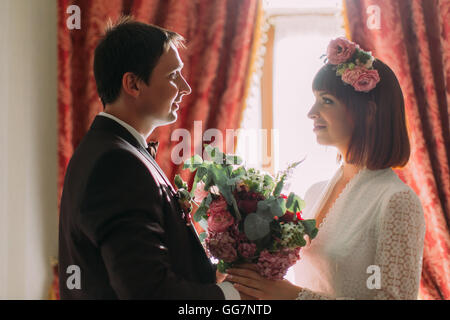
x=129, y=46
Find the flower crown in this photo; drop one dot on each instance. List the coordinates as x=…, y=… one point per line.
x=353, y=64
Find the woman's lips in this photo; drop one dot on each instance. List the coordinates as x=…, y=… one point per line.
x=318, y=127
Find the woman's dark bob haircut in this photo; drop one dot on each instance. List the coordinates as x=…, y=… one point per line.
x=380, y=136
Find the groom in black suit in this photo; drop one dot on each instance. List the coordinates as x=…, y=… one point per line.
x=122, y=232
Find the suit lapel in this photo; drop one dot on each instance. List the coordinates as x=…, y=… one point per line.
x=157, y=167
x=104, y=123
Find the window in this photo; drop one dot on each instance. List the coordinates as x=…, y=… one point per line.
x=297, y=38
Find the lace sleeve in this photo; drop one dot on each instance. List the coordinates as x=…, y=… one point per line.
x=399, y=251
x=400, y=247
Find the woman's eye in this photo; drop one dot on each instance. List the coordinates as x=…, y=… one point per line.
x=173, y=76
x=327, y=101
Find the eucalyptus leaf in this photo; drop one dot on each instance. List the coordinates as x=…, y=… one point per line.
x=204, y=224
x=200, y=213
x=202, y=236
x=290, y=201
x=256, y=227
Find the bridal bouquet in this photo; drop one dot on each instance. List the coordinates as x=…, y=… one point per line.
x=245, y=217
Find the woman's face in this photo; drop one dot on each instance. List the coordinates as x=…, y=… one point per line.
x=332, y=124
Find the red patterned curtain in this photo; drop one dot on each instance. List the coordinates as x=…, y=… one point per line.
x=413, y=38
x=219, y=41
x=220, y=35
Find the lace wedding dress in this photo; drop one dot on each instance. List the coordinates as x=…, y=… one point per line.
x=370, y=243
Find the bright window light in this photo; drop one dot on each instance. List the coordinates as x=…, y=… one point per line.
x=300, y=41
x=303, y=30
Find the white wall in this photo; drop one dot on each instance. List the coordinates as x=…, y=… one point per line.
x=28, y=141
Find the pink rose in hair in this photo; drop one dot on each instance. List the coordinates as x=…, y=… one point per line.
x=340, y=50
x=367, y=81
x=361, y=78
x=350, y=76
x=219, y=218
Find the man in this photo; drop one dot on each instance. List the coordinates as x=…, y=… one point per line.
x=122, y=232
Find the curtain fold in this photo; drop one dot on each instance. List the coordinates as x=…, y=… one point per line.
x=412, y=37
x=219, y=38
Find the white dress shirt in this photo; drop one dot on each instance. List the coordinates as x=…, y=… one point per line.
x=229, y=291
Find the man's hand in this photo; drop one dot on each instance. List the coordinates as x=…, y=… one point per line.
x=220, y=277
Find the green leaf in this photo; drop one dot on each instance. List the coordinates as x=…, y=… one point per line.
x=214, y=154
x=201, y=172
x=256, y=226
x=310, y=227
x=280, y=207
x=238, y=173
x=202, y=236
x=295, y=203
x=193, y=163
x=184, y=194
x=209, y=181
x=200, y=213
x=179, y=183
x=279, y=187
x=202, y=209
x=222, y=266
x=233, y=160
x=290, y=201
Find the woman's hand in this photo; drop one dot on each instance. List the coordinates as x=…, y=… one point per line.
x=250, y=282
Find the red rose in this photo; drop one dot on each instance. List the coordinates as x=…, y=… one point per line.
x=287, y=217
x=248, y=201
x=247, y=206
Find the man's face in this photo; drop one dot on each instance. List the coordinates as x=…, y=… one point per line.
x=160, y=99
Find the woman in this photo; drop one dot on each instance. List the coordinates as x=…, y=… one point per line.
x=371, y=225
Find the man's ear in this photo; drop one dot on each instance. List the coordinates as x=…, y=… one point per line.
x=130, y=84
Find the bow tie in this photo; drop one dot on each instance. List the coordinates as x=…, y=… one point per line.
x=152, y=148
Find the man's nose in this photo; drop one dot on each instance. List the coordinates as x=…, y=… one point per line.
x=185, y=88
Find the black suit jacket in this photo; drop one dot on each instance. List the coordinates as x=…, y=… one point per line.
x=122, y=226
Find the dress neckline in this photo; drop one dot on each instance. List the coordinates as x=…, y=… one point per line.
x=326, y=194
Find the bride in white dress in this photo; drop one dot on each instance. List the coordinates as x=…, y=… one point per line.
x=371, y=225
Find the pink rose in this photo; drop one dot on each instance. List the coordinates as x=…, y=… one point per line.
x=200, y=193
x=361, y=78
x=350, y=76
x=340, y=50
x=367, y=81
x=219, y=218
